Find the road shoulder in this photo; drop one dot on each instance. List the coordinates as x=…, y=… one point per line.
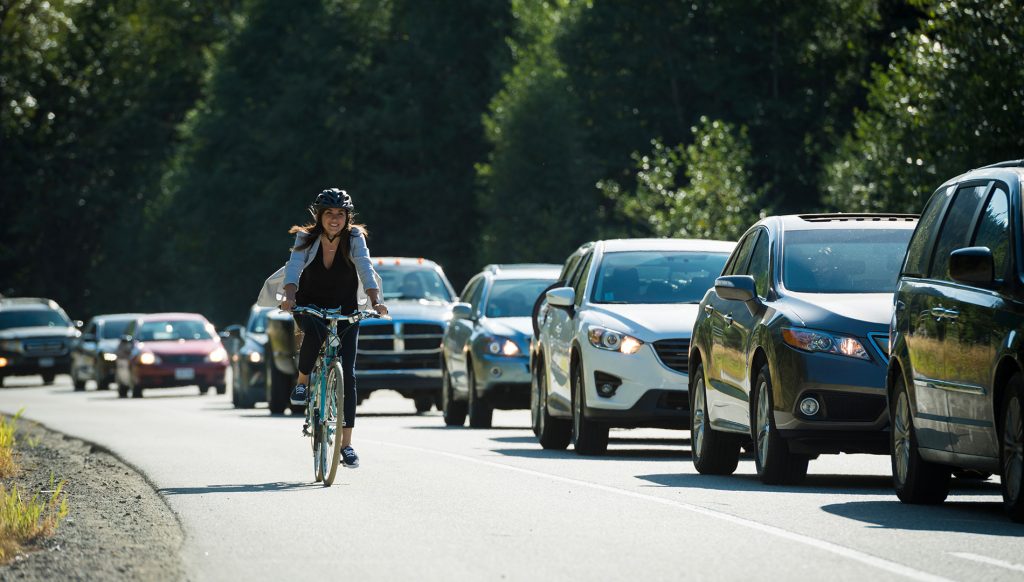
x=118, y=527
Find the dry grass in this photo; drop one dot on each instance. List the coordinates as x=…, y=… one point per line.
x=22, y=521
x=8, y=467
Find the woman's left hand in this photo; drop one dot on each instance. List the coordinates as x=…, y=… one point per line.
x=381, y=308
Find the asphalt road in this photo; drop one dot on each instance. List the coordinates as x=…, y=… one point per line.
x=431, y=503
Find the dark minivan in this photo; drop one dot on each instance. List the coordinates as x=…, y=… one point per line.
x=955, y=382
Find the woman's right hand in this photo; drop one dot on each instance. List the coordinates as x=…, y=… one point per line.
x=287, y=304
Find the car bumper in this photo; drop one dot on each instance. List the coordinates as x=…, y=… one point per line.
x=503, y=382
x=648, y=393
x=22, y=365
x=853, y=415
x=163, y=376
x=402, y=380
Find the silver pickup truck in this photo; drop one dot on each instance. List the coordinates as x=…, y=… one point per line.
x=401, y=354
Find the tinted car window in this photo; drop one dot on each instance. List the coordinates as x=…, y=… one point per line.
x=843, y=260
x=32, y=318
x=924, y=235
x=258, y=322
x=956, y=228
x=656, y=276
x=580, y=282
x=475, y=290
x=401, y=282
x=738, y=261
x=994, y=230
x=187, y=329
x=514, y=297
x=760, y=265
x=114, y=329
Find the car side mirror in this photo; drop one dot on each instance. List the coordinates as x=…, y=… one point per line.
x=462, y=311
x=126, y=338
x=736, y=288
x=562, y=297
x=972, y=265
x=232, y=331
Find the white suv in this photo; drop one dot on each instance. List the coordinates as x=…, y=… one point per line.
x=613, y=344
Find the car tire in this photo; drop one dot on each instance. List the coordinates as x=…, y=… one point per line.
x=423, y=403
x=278, y=389
x=438, y=402
x=221, y=389
x=775, y=464
x=1011, y=438
x=122, y=390
x=713, y=452
x=588, y=437
x=553, y=433
x=916, y=481
x=204, y=389
x=48, y=378
x=80, y=384
x=136, y=390
x=454, y=412
x=481, y=414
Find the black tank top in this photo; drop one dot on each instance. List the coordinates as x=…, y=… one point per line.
x=328, y=288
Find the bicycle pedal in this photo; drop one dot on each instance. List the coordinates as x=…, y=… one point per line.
x=305, y=430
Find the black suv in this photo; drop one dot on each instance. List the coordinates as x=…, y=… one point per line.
x=790, y=347
x=35, y=338
x=955, y=381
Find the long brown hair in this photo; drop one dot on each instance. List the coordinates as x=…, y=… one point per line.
x=316, y=228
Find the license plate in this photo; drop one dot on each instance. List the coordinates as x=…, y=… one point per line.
x=46, y=362
x=184, y=374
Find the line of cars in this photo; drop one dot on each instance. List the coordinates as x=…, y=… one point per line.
x=813, y=334
x=132, y=351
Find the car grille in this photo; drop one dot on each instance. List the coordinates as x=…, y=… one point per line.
x=403, y=362
x=853, y=407
x=45, y=347
x=674, y=353
x=401, y=337
x=182, y=359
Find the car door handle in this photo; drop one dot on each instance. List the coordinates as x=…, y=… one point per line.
x=940, y=313
x=709, y=309
x=728, y=320
x=952, y=314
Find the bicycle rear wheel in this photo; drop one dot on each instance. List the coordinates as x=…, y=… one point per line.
x=334, y=422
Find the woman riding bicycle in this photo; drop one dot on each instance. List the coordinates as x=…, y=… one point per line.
x=316, y=276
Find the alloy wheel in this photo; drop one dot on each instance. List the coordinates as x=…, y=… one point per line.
x=763, y=423
x=901, y=437
x=699, y=416
x=1013, y=449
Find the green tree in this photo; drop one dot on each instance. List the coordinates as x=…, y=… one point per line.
x=701, y=190
x=951, y=99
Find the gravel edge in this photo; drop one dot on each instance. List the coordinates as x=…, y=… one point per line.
x=118, y=526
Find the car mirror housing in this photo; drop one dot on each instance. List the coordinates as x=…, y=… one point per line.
x=972, y=265
x=563, y=297
x=462, y=311
x=736, y=288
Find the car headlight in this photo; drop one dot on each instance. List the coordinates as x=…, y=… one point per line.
x=819, y=341
x=255, y=357
x=109, y=357
x=11, y=345
x=613, y=341
x=217, y=355
x=148, y=358
x=502, y=346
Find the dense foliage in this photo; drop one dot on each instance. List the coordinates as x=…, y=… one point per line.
x=154, y=154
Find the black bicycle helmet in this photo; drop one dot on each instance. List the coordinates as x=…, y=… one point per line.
x=331, y=198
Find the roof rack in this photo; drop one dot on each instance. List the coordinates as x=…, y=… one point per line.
x=496, y=267
x=1006, y=164
x=858, y=217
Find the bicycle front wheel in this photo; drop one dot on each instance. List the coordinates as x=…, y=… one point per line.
x=334, y=421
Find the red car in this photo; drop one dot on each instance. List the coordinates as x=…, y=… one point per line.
x=170, y=349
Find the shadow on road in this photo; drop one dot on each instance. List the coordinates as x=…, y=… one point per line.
x=985, y=517
x=442, y=426
x=240, y=488
x=827, y=484
x=613, y=454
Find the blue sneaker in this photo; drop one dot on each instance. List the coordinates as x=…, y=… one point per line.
x=299, y=395
x=349, y=458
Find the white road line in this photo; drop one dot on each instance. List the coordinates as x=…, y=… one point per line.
x=868, y=559
x=988, y=560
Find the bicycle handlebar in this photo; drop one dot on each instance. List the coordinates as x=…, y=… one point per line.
x=335, y=314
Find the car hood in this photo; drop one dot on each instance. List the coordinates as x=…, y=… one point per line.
x=508, y=326
x=180, y=347
x=842, y=311
x=34, y=332
x=647, y=322
x=421, y=310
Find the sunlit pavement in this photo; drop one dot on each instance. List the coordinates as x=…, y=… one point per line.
x=431, y=502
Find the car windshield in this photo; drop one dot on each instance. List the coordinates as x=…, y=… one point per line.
x=258, y=322
x=843, y=261
x=181, y=329
x=514, y=297
x=114, y=328
x=656, y=276
x=32, y=318
x=404, y=282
